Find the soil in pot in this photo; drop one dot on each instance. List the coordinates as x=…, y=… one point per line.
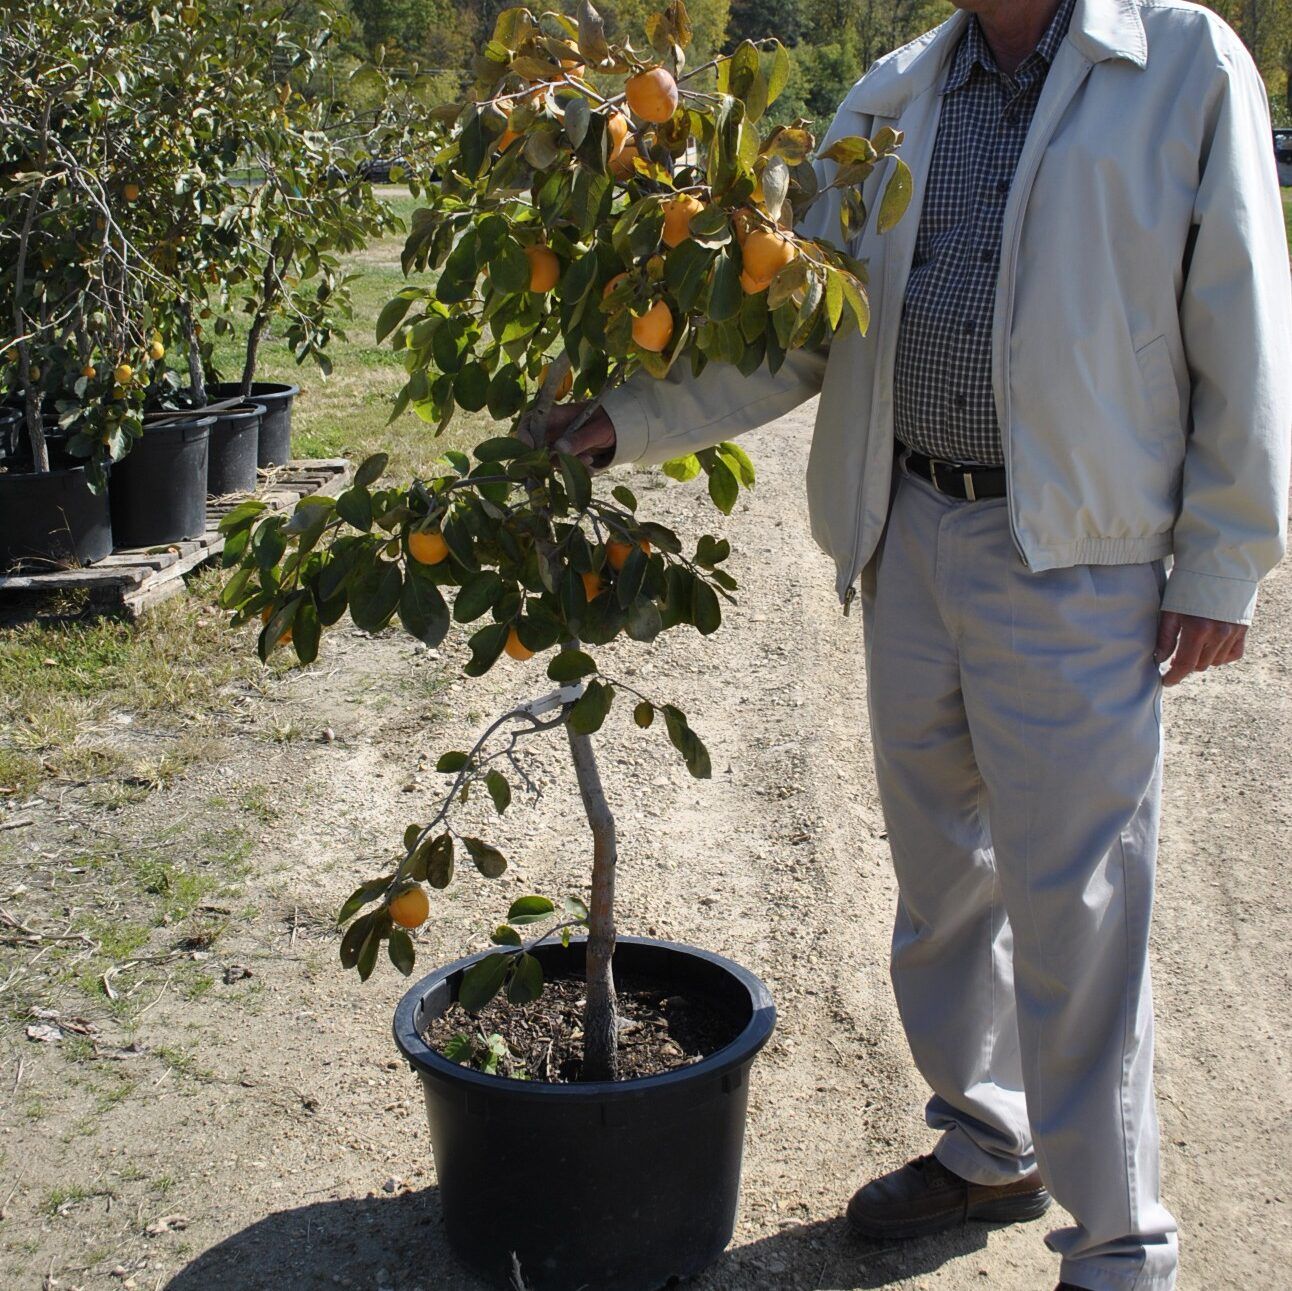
x=659, y=1030
x=159, y=487
x=275, y=446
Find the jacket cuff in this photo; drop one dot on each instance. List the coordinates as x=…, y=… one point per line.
x=632, y=427
x=1210, y=596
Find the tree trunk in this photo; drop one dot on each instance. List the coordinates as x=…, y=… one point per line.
x=196, y=376
x=600, y=1018
x=269, y=289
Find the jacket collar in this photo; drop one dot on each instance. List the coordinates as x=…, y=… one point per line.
x=1100, y=30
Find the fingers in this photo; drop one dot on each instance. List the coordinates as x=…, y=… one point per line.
x=1187, y=651
x=1200, y=644
x=593, y=439
x=1168, y=633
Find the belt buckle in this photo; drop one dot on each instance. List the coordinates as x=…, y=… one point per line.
x=970, y=495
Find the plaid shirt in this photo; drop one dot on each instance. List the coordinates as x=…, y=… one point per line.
x=944, y=404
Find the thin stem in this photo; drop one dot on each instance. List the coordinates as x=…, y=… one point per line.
x=600, y=1018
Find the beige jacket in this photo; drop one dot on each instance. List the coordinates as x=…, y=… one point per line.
x=1143, y=324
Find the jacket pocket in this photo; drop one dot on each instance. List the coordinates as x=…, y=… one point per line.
x=1160, y=393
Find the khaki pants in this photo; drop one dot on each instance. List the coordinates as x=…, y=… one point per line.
x=1017, y=733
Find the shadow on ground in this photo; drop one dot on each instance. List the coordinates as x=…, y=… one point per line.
x=826, y=1256
x=398, y=1244
x=357, y=1244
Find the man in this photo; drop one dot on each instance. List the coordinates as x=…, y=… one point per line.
x=1080, y=364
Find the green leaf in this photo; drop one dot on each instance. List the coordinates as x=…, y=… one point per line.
x=726, y=293
x=779, y=75
x=241, y=516
x=644, y=714
x=482, y=981
x=477, y=595
x=354, y=506
x=471, y=386
x=577, y=118
x=590, y=710
x=502, y=935
x=724, y=488
x=422, y=609
x=452, y=762
x=570, y=665
x=739, y=461
x=683, y=469
x=529, y=910
x=360, y=897
x=576, y=908
x=392, y=314
x=644, y=621
x=526, y=983
x=624, y=496
x=306, y=631
x=488, y=860
x=706, y=613
x=375, y=596
x=459, y=1049
x=578, y=483
x=401, y=952
x=897, y=196
x=439, y=861
x=367, y=960
x=371, y=470
x=486, y=645
x=499, y=790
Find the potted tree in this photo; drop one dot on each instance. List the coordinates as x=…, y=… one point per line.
x=582, y=233
x=308, y=203
x=68, y=278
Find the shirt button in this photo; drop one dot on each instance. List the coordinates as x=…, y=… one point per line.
x=1011, y=117
x=1002, y=186
x=970, y=328
x=961, y=401
x=987, y=255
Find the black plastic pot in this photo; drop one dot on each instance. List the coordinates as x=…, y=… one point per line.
x=159, y=487
x=614, y=1186
x=10, y=431
x=235, y=442
x=52, y=518
x=275, y=425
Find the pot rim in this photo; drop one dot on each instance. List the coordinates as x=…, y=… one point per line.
x=15, y=476
x=270, y=389
x=426, y=1060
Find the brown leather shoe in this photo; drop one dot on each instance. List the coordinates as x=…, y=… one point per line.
x=925, y=1197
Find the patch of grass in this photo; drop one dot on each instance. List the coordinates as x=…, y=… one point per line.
x=19, y=772
x=1287, y=215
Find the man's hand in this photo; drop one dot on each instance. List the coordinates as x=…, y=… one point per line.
x=593, y=442
x=1194, y=644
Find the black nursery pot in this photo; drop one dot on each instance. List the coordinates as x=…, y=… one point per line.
x=275, y=425
x=10, y=430
x=618, y=1186
x=52, y=517
x=159, y=487
x=235, y=443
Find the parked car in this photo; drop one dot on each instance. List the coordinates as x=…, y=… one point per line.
x=1283, y=154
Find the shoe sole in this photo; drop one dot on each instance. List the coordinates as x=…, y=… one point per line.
x=1004, y=1210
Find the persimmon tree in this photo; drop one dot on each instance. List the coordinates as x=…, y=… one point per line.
x=602, y=213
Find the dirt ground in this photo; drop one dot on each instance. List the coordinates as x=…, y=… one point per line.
x=217, y=1130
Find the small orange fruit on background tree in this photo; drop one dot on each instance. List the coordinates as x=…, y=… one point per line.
x=605, y=247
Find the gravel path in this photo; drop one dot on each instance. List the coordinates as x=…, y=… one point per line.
x=280, y=1137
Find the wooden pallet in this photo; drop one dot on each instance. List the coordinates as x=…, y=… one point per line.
x=132, y=579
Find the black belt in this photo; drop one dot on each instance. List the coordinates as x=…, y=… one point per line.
x=955, y=479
